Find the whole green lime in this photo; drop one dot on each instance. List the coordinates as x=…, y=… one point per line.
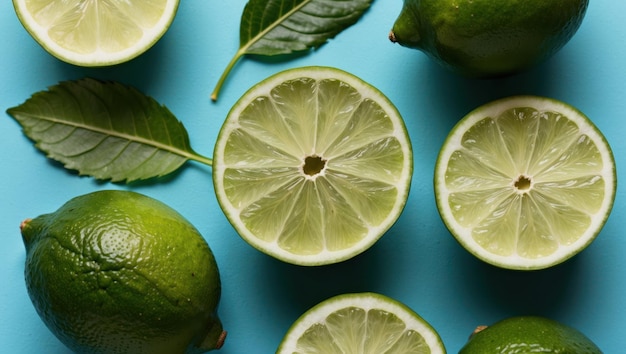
x=526, y=335
x=488, y=38
x=120, y=272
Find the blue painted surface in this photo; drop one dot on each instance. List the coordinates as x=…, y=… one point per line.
x=417, y=261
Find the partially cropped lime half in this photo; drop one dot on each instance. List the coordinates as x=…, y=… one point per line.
x=525, y=182
x=96, y=32
x=363, y=323
x=312, y=165
x=528, y=335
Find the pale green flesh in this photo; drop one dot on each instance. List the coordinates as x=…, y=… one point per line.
x=353, y=330
x=96, y=25
x=560, y=190
x=330, y=210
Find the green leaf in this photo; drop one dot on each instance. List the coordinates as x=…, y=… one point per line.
x=273, y=27
x=105, y=130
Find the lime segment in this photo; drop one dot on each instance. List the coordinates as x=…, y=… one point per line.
x=525, y=182
x=312, y=165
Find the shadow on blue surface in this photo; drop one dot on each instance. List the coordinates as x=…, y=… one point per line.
x=454, y=96
x=302, y=287
x=141, y=72
x=539, y=292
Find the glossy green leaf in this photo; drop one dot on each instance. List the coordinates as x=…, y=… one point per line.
x=106, y=130
x=273, y=27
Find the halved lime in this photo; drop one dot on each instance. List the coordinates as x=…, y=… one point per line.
x=312, y=165
x=96, y=33
x=363, y=323
x=525, y=182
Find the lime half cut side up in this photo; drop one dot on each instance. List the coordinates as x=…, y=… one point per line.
x=525, y=182
x=366, y=323
x=312, y=165
x=95, y=32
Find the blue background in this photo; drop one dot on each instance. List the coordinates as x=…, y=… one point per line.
x=417, y=262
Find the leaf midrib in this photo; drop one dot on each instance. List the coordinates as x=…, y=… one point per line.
x=188, y=154
x=272, y=26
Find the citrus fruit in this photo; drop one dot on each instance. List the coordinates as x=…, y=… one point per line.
x=120, y=272
x=525, y=182
x=526, y=335
x=96, y=33
x=312, y=165
x=364, y=323
x=488, y=38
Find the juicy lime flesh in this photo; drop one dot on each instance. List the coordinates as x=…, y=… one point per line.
x=360, y=324
x=355, y=330
x=537, y=193
x=96, y=32
x=313, y=166
x=527, y=184
x=105, y=277
x=96, y=25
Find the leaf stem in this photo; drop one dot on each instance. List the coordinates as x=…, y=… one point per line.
x=228, y=69
x=199, y=158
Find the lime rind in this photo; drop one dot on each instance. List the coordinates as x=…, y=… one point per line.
x=124, y=30
x=116, y=271
x=325, y=217
x=527, y=334
x=361, y=323
x=569, y=163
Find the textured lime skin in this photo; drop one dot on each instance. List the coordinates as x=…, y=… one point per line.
x=529, y=334
x=488, y=38
x=119, y=272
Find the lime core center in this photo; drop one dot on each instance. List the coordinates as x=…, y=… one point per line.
x=313, y=165
x=522, y=184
